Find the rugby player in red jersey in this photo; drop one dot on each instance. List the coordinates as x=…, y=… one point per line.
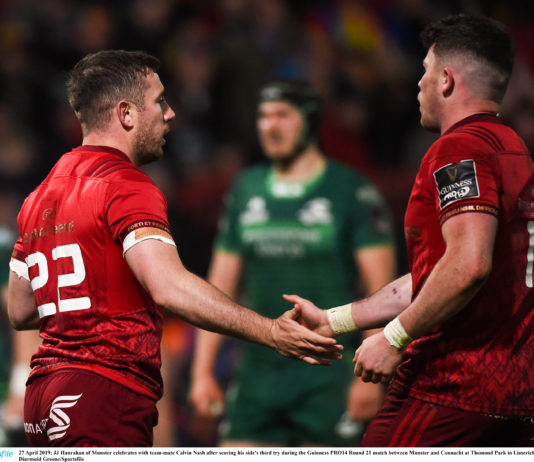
x=95, y=262
x=459, y=328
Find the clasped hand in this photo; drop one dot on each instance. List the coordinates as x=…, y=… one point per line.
x=375, y=360
x=294, y=339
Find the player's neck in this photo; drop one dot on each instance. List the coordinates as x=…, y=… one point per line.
x=463, y=111
x=106, y=139
x=303, y=168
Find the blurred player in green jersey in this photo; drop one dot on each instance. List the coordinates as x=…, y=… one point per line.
x=305, y=225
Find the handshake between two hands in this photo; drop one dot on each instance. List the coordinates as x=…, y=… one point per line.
x=305, y=333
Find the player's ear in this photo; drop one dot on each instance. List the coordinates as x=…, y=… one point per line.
x=124, y=110
x=447, y=81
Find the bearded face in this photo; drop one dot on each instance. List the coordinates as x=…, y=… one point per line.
x=153, y=123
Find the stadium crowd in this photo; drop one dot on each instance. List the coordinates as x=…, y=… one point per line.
x=364, y=57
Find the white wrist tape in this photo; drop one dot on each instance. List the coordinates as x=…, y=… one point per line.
x=19, y=376
x=340, y=319
x=396, y=335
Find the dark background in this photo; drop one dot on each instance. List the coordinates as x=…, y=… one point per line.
x=363, y=56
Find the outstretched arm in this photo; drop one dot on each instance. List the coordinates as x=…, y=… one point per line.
x=372, y=312
x=158, y=268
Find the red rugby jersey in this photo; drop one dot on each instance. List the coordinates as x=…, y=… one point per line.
x=94, y=314
x=482, y=359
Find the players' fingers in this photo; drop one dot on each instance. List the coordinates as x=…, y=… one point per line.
x=293, y=298
x=316, y=361
x=315, y=338
x=331, y=351
x=325, y=351
x=294, y=313
x=376, y=378
x=328, y=351
x=320, y=341
x=367, y=376
x=358, y=370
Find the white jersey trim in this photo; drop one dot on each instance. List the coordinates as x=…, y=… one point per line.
x=130, y=240
x=19, y=268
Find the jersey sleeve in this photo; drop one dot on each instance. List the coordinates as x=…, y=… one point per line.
x=133, y=205
x=372, y=220
x=462, y=179
x=18, y=264
x=228, y=233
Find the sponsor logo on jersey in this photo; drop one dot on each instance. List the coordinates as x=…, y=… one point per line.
x=456, y=181
x=316, y=211
x=283, y=189
x=49, y=214
x=255, y=211
x=60, y=417
x=49, y=230
x=34, y=428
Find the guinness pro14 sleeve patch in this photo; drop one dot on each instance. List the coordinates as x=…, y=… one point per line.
x=456, y=181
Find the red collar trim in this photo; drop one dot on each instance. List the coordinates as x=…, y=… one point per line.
x=484, y=117
x=108, y=149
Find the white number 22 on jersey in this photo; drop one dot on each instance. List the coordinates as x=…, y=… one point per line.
x=74, y=252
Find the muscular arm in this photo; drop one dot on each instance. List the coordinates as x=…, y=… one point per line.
x=381, y=307
x=158, y=268
x=457, y=276
x=370, y=313
x=21, y=307
x=205, y=393
x=453, y=282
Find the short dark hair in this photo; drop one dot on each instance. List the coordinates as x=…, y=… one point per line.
x=100, y=80
x=479, y=38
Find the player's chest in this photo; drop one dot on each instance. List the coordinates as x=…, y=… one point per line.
x=271, y=227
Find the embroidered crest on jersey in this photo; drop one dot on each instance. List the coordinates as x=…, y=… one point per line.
x=456, y=181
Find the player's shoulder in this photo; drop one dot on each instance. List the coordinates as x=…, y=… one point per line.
x=251, y=176
x=127, y=172
x=99, y=163
x=254, y=172
x=478, y=136
x=113, y=169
